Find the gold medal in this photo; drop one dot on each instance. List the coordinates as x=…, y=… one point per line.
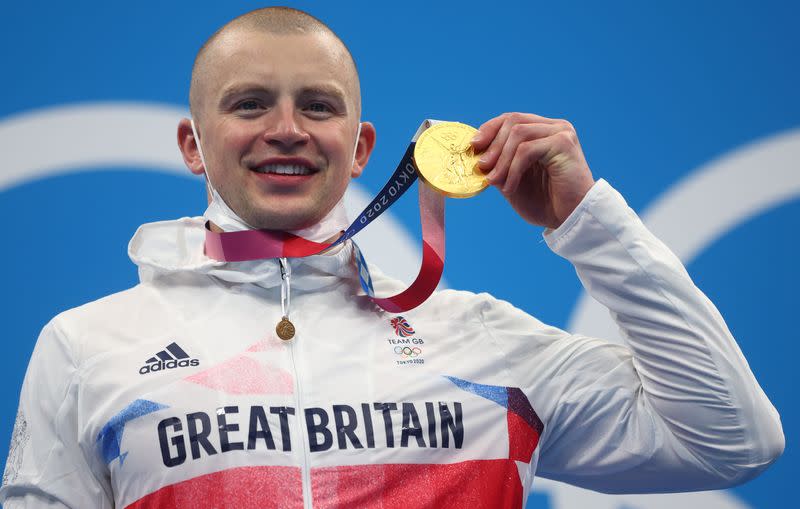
x=446, y=161
x=285, y=329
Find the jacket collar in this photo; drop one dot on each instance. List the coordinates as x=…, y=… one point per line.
x=177, y=246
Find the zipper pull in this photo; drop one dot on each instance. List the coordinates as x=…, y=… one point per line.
x=285, y=328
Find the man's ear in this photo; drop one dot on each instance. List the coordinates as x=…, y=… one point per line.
x=364, y=146
x=188, y=147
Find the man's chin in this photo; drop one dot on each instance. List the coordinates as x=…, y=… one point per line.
x=293, y=214
x=283, y=221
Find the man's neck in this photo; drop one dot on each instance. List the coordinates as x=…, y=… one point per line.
x=216, y=229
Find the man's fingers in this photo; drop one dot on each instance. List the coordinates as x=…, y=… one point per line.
x=528, y=153
x=520, y=133
x=486, y=133
x=511, y=121
x=488, y=159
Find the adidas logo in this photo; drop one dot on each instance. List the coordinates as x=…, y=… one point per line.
x=171, y=357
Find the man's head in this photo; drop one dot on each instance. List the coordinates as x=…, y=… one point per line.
x=276, y=101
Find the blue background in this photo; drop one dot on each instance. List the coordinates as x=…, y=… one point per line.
x=654, y=90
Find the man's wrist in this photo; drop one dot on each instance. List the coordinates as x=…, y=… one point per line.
x=554, y=235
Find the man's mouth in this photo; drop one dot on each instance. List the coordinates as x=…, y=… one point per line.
x=284, y=169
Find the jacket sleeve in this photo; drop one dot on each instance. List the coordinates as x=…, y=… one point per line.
x=675, y=409
x=46, y=466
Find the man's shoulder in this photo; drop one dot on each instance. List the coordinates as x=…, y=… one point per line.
x=492, y=312
x=448, y=303
x=467, y=305
x=102, y=324
x=444, y=301
x=461, y=299
x=102, y=309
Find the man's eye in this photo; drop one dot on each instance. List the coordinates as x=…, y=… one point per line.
x=318, y=107
x=248, y=105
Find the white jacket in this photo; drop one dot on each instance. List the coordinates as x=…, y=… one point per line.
x=177, y=392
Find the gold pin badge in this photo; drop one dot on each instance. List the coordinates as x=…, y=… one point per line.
x=285, y=329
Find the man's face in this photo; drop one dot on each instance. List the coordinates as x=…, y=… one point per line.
x=278, y=121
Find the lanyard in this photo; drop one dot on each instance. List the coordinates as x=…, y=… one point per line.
x=259, y=244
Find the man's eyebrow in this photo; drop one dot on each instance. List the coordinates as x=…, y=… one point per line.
x=242, y=88
x=323, y=89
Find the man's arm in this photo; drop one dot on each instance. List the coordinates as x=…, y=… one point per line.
x=679, y=408
x=46, y=466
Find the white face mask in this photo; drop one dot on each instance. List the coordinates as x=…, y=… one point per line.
x=219, y=213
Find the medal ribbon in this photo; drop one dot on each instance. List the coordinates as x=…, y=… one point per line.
x=259, y=244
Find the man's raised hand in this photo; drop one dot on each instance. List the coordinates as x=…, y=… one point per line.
x=537, y=163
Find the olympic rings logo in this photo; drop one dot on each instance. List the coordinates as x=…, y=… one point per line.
x=407, y=351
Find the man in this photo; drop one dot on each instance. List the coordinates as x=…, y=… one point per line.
x=178, y=393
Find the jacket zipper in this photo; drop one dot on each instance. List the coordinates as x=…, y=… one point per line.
x=305, y=468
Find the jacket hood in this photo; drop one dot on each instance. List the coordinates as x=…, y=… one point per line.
x=176, y=246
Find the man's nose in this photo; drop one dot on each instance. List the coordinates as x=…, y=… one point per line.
x=287, y=130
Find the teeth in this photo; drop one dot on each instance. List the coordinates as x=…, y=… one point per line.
x=284, y=169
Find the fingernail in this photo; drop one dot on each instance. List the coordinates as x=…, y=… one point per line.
x=476, y=138
x=483, y=160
